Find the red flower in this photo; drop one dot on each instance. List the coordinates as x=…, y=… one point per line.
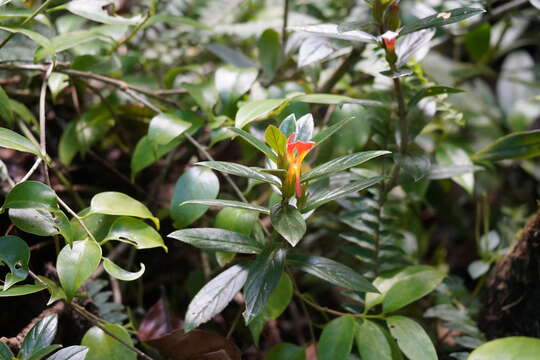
x=389, y=39
x=296, y=152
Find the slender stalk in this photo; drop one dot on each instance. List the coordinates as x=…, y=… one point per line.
x=42, y=122
x=132, y=34
x=32, y=170
x=26, y=21
x=74, y=214
x=402, y=113
x=99, y=323
x=285, y=24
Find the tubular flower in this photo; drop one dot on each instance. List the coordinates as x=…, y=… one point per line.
x=389, y=39
x=296, y=152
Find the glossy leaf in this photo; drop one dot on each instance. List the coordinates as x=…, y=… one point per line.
x=197, y=183
x=116, y=203
x=339, y=192
x=121, y=274
x=288, y=222
x=215, y=296
x=451, y=155
x=518, y=145
x=331, y=271
x=165, y=127
x=230, y=204
x=134, y=232
x=398, y=289
x=15, y=253
x=264, y=275
x=75, y=265
x=256, y=110
x=98, y=224
x=54, y=289
x=240, y=170
x=285, y=351
x=411, y=338
x=269, y=52
x=258, y=144
x=276, y=139
x=102, y=346
x=288, y=126
x=313, y=50
x=218, y=239
x=39, y=222
x=341, y=164
x=20, y=290
x=74, y=352
x=371, y=342
x=441, y=19
x=11, y=140
x=6, y=112
x=332, y=31
x=304, y=128
x=325, y=134
x=37, y=37
x=336, y=339
x=431, y=91
x=509, y=348
x=5, y=351
x=40, y=336
x=31, y=195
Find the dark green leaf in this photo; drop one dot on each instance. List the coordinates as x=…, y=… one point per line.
x=411, y=338
x=287, y=351
x=257, y=110
x=339, y=192
x=416, y=165
x=121, y=274
x=258, y=144
x=331, y=271
x=75, y=265
x=288, y=222
x=11, y=140
x=20, y=290
x=240, y=170
x=117, y=203
x=41, y=353
x=269, y=52
x=218, y=239
x=6, y=112
x=336, y=339
x=371, y=342
x=54, y=290
x=518, y=145
x=398, y=289
x=102, y=346
x=40, y=336
x=509, y=348
x=197, y=183
x=215, y=296
x=441, y=19
x=231, y=204
x=74, y=352
x=288, y=126
x=5, y=352
x=341, y=164
x=31, y=195
x=431, y=91
x=134, y=232
x=477, y=41
x=264, y=275
x=15, y=253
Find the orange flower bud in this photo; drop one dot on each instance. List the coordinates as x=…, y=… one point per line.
x=296, y=152
x=389, y=39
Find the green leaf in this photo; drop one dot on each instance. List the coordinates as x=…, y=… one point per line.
x=287, y=127
x=41, y=353
x=339, y=192
x=287, y=351
x=331, y=271
x=103, y=65
x=431, y=91
x=333, y=99
x=75, y=265
x=55, y=291
x=518, y=145
x=416, y=165
x=441, y=19
x=451, y=155
x=57, y=82
x=6, y=112
x=11, y=140
x=304, y=128
x=275, y=138
x=74, y=352
x=174, y=20
x=411, y=338
x=257, y=110
x=31, y=195
x=119, y=273
x=477, y=41
x=371, y=342
x=332, y=31
x=264, y=275
x=288, y=222
x=231, y=56
x=134, y=232
x=218, y=239
x=336, y=339
x=5, y=351
x=20, y=290
x=197, y=183
x=341, y=164
x=94, y=10
x=15, y=253
x=398, y=289
x=215, y=296
x=204, y=94
x=233, y=82
x=116, y=203
x=98, y=224
x=509, y=348
x=230, y=204
x=41, y=222
x=325, y=134
x=164, y=127
x=240, y=170
x=258, y=144
x=40, y=336
x=102, y=346
x=38, y=38
x=269, y=52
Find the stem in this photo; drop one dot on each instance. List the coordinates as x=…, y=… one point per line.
x=132, y=34
x=26, y=21
x=402, y=112
x=32, y=170
x=285, y=23
x=74, y=214
x=42, y=120
x=99, y=323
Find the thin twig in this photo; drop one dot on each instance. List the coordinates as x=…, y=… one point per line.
x=42, y=122
x=74, y=214
x=31, y=171
x=285, y=24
